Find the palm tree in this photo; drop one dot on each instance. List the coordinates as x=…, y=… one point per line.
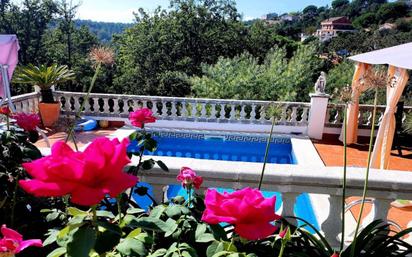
x=44, y=77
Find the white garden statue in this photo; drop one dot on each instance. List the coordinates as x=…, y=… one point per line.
x=320, y=84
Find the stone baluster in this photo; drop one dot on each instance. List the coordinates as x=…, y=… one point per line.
x=381, y=209
x=213, y=111
x=154, y=108
x=336, y=117
x=253, y=113
x=288, y=209
x=184, y=112
x=294, y=114
x=173, y=110
x=304, y=117
x=106, y=107
x=164, y=109
x=369, y=119
x=242, y=114
x=194, y=110
x=262, y=113
x=76, y=104
x=332, y=225
x=222, y=112
x=380, y=118
x=284, y=114
x=203, y=113
x=116, y=107
x=144, y=103
x=232, y=112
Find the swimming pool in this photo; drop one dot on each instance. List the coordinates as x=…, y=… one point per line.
x=243, y=147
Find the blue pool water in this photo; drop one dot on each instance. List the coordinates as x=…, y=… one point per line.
x=245, y=148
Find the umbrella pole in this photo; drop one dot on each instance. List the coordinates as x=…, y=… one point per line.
x=6, y=87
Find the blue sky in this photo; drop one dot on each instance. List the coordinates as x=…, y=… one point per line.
x=122, y=10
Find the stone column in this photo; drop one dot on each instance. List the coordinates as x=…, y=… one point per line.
x=317, y=114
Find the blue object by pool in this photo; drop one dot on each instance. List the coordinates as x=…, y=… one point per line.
x=303, y=206
x=245, y=148
x=86, y=125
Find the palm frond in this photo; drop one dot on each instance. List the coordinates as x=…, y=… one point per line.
x=43, y=76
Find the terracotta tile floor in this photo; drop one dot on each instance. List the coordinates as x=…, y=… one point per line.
x=330, y=150
x=82, y=138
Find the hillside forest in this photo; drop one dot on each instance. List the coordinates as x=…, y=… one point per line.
x=204, y=48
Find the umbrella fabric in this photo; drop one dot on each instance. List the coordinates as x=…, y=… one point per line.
x=397, y=56
x=9, y=48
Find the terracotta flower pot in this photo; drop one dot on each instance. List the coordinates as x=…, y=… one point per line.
x=49, y=113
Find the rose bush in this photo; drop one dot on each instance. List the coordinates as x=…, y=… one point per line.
x=86, y=176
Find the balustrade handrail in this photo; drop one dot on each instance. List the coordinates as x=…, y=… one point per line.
x=188, y=99
x=23, y=97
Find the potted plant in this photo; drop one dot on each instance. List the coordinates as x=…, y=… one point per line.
x=45, y=77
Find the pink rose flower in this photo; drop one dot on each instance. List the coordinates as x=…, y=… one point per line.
x=87, y=176
x=28, y=122
x=5, y=110
x=12, y=242
x=246, y=209
x=335, y=255
x=142, y=116
x=189, y=177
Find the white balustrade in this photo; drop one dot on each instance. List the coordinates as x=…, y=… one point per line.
x=107, y=106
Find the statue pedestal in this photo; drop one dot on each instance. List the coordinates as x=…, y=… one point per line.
x=318, y=107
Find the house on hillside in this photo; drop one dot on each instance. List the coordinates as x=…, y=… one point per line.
x=288, y=17
x=270, y=16
x=332, y=26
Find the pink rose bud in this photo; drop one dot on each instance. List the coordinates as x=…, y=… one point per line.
x=140, y=117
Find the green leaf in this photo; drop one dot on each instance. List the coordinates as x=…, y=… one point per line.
x=148, y=164
x=205, y=238
x=106, y=214
x=74, y=211
x=52, y=237
x=57, y=252
x=158, y=253
x=135, y=211
x=170, y=227
x=150, y=223
x=108, y=237
x=131, y=247
x=157, y=211
x=134, y=233
x=52, y=216
x=162, y=165
x=82, y=242
x=175, y=211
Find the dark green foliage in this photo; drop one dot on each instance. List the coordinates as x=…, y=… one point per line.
x=104, y=31
x=277, y=79
x=392, y=11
